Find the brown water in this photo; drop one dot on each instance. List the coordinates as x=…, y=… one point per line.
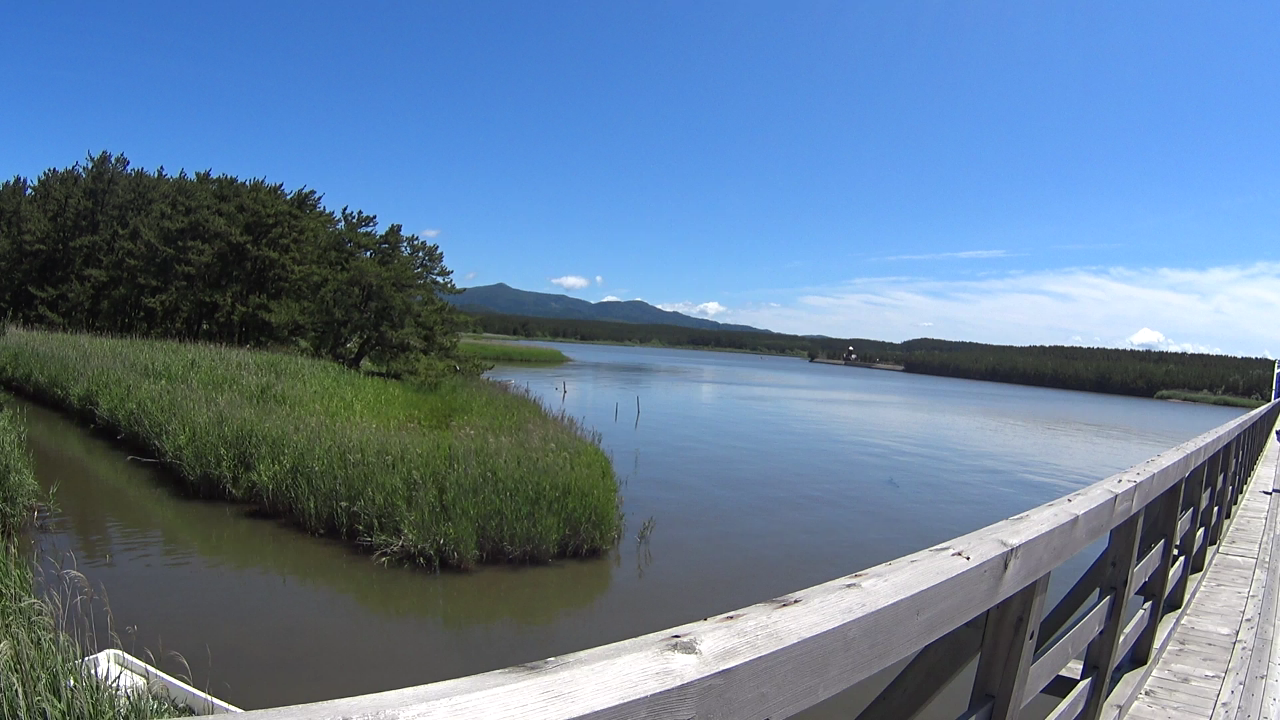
x=763, y=476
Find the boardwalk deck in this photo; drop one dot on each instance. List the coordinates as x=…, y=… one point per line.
x=1222, y=662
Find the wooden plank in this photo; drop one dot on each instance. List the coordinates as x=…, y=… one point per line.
x=774, y=659
x=1073, y=703
x=1071, y=603
x=1052, y=659
x=1133, y=629
x=1147, y=565
x=1008, y=644
x=1174, y=696
x=1207, y=693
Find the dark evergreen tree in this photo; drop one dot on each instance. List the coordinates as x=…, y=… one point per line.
x=104, y=247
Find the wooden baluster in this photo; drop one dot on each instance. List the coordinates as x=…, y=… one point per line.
x=1167, y=509
x=1205, y=519
x=1008, y=646
x=1192, y=491
x=1221, y=495
x=1100, y=659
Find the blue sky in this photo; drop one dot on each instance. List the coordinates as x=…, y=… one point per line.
x=995, y=172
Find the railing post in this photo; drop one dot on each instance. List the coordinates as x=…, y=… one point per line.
x=1222, y=494
x=1192, y=490
x=1216, y=484
x=1008, y=646
x=1205, y=518
x=1100, y=659
x=1167, y=509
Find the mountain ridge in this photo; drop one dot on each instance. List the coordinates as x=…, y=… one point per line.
x=504, y=299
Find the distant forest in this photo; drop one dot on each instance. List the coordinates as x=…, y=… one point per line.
x=107, y=248
x=1123, y=372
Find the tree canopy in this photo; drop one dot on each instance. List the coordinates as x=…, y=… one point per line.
x=104, y=247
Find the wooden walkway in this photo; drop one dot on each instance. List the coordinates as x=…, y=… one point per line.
x=1222, y=661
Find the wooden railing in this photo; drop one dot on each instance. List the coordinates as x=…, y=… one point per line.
x=979, y=596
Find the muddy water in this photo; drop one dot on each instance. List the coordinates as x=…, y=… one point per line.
x=762, y=476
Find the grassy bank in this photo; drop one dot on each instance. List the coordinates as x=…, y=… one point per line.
x=18, y=489
x=1209, y=398
x=456, y=474
x=490, y=351
x=40, y=673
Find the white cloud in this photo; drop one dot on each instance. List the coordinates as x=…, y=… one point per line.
x=966, y=255
x=599, y=280
x=429, y=233
x=470, y=276
x=571, y=282
x=1148, y=339
x=611, y=298
x=706, y=309
x=924, y=324
x=1231, y=307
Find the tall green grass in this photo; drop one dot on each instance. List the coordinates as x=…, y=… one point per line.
x=1210, y=398
x=505, y=352
x=455, y=474
x=18, y=489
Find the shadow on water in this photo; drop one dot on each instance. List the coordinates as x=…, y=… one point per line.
x=129, y=529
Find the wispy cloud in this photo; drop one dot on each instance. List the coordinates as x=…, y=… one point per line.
x=610, y=298
x=429, y=233
x=1231, y=307
x=706, y=309
x=469, y=276
x=599, y=280
x=964, y=255
x=1087, y=246
x=571, y=282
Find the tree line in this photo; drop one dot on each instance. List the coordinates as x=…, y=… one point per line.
x=104, y=247
x=1123, y=372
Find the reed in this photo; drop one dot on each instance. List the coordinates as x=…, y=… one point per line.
x=505, y=352
x=460, y=472
x=1209, y=398
x=18, y=489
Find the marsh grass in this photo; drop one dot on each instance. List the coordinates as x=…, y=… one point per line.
x=507, y=352
x=18, y=488
x=457, y=473
x=1209, y=398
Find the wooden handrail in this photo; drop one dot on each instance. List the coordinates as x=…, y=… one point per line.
x=776, y=658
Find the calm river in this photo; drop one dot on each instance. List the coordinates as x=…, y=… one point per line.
x=762, y=475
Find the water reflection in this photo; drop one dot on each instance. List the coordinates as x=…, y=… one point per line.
x=762, y=476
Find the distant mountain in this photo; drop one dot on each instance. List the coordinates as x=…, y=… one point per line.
x=504, y=299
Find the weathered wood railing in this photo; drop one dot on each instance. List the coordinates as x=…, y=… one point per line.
x=979, y=596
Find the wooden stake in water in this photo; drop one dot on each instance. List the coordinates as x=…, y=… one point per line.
x=615, y=411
